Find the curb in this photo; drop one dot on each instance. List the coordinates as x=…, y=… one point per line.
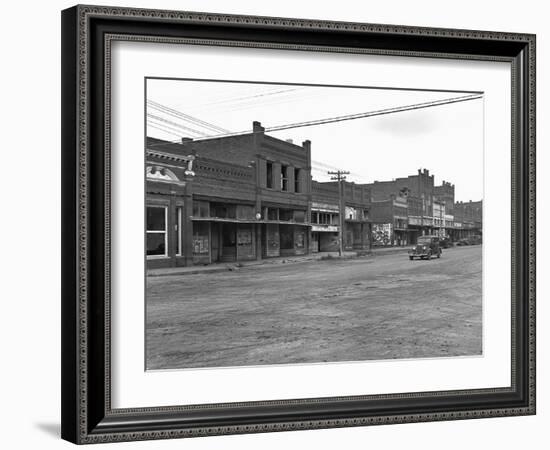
x=232, y=268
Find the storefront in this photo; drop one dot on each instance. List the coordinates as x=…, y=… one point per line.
x=324, y=238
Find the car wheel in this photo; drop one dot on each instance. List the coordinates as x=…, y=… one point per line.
x=411, y=258
x=439, y=254
x=429, y=255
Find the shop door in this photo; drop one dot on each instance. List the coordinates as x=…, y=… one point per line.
x=216, y=238
x=229, y=242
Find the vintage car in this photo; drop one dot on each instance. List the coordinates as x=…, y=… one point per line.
x=426, y=247
x=472, y=240
x=445, y=242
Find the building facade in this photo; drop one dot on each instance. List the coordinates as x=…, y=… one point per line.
x=233, y=198
x=468, y=219
x=244, y=197
x=411, y=199
x=325, y=216
x=405, y=208
x=390, y=221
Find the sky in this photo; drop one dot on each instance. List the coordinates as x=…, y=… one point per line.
x=446, y=139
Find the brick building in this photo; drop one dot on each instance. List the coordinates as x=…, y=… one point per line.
x=468, y=219
x=325, y=216
x=390, y=221
x=232, y=198
x=403, y=208
x=446, y=194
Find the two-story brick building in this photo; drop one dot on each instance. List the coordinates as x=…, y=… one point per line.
x=231, y=198
x=325, y=216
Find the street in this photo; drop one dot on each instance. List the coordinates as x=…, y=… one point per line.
x=374, y=307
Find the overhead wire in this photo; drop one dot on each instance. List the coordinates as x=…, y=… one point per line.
x=186, y=117
x=176, y=125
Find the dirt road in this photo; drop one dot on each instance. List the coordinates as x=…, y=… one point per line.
x=316, y=311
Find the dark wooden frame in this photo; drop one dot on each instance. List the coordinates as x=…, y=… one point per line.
x=87, y=416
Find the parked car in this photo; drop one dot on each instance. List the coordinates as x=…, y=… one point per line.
x=426, y=247
x=446, y=242
x=475, y=239
x=472, y=240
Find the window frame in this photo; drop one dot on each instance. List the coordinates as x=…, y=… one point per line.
x=284, y=177
x=165, y=231
x=269, y=174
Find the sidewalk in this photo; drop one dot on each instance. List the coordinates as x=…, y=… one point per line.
x=233, y=266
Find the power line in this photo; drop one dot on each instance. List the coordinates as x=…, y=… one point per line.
x=176, y=131
x=363, y=115
x=162, y=129
x=378, y=112
x=245, y=98
x=176, y=125
x=186, y=117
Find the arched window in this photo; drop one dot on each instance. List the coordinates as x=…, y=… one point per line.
x=160, y=173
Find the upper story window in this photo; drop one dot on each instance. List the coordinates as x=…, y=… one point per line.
x=297, y=180
x=269, y=175
x=284, y=178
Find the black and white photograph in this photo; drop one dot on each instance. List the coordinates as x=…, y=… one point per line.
x=295, y=222
x=306, y=224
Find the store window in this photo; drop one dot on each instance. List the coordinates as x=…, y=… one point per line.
x=156, y=231
x=201, y=209
x=299, y=216
x=272, y=214
x=286, y=215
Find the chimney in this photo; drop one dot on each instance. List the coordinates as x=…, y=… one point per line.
x=257, y=127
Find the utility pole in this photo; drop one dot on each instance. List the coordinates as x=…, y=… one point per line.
x=340, y=176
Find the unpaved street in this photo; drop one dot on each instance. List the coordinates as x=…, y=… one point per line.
x=367, y=308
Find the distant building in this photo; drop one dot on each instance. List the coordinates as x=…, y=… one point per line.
x=411, y=199
x=468, y=219
x=390, y=221
x=446, y=194
x=405, y=208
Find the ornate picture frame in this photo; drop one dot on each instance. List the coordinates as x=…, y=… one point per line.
x=88, y=33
